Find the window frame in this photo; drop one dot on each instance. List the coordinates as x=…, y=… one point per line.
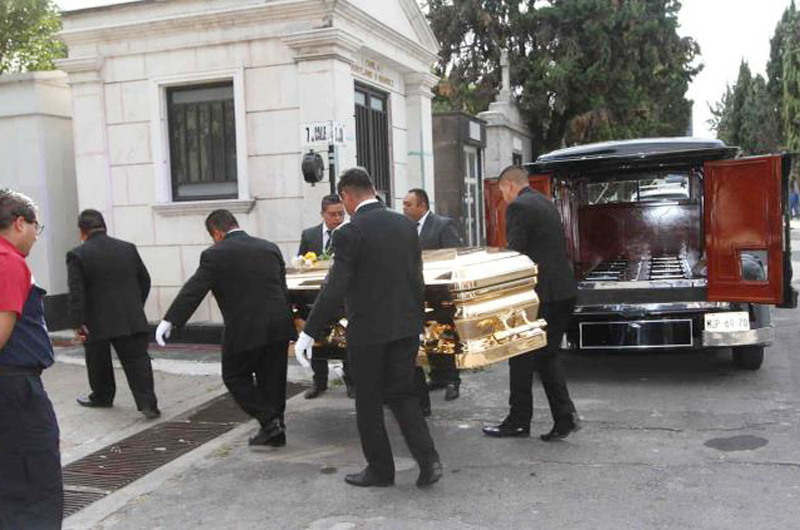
x=371, y=93
x=171, y=111
x=160, y=132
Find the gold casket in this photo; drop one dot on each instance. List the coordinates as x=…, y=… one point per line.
x=480, y=306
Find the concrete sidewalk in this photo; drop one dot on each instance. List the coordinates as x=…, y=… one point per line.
x=85, y=430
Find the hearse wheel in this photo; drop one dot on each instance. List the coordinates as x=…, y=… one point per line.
x=748, y=357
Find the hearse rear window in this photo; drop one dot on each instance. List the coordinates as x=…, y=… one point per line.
x=651, y=188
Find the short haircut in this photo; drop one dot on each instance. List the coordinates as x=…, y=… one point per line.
x=91, y=220
x=356, y=179
x=422, y=195
x=330, y=199
x=14, y=204
x=221, y=220
x=514, y=174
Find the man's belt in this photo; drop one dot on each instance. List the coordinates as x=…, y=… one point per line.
x=6, y=369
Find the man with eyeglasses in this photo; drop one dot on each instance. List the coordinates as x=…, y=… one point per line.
x=31, y=491
x=317, y=239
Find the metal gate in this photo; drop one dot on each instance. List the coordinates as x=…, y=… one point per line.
x=372, y=137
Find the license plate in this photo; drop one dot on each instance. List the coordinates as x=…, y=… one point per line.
x=726, y=322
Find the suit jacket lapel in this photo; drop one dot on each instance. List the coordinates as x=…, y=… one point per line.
x=316, y=242
x=427, y=227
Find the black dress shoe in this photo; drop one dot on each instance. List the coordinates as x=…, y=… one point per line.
x=507, y=429
x=451, y=392
x=429, y=474
x=367, y=479
x=314, y=392
x=151, y=414
x=562, y=429
x=277, y=441
x=266, y=434
x=86, y=401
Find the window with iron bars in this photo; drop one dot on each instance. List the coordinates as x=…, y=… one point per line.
x=202, y=142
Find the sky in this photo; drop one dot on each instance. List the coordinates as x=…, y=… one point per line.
x=727, y=31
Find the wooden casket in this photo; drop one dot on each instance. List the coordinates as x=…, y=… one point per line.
x=480, y=306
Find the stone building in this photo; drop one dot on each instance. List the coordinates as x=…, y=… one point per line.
x=37, y=160
x=508, y=140
x=459, y=146
x=184, y=106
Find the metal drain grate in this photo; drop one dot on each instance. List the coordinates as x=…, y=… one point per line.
x=105, y=471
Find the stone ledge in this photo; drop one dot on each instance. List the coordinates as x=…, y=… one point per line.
x=174, y=209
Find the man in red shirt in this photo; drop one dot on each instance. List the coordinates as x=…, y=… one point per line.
x=31, y=491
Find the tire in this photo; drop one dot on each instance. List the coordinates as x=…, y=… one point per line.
x=748, y=357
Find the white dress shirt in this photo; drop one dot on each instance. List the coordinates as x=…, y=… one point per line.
x=421, y=222
x=326, y=234
x=364, y=203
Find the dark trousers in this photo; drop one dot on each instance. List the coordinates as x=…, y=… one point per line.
x=443, y=368
x=384, y=373
x=257, y=380
x=546, y=362
x=320, y=368
x=421, y=388
x=132, y=353
x=31, y=490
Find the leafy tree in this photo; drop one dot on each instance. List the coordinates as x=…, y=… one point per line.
x=775, y=62
x=581, y=70
x=791, y=90
x=747, y=116
x=27, y=29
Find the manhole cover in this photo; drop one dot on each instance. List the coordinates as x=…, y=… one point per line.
x=744, y=442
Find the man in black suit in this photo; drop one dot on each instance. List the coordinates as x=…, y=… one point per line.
x=247, y=276
x=435, y=232
x=377, y=273
x=108, y=285
x=317, y=239
x=533, y=228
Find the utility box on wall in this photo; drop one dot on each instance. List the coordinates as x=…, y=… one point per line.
x=459, y=143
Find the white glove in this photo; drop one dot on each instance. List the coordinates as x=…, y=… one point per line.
x=302, y=349
x=162, y=332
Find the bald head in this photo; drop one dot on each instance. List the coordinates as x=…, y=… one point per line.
x=514, y=174
x=511, y=181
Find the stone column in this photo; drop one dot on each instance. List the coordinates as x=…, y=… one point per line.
x=92, y=166
x=326, y=92
x=420, y=131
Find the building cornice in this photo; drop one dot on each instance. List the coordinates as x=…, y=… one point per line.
x=169, y=25
x=369, y=24
x=494, y=118
x=420, y=84
x=323, y=44
x=420, y=24
x=84, y=69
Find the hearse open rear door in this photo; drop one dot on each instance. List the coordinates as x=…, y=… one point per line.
x=746, y=222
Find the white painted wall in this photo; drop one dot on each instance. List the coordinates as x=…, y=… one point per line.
x=287, y=68
x=37, y=160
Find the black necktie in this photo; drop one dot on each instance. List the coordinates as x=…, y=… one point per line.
x=328, y=242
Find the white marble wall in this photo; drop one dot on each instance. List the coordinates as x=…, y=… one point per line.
x=37, y=160
x=281, y=82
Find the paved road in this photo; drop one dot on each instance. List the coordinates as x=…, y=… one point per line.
x=670, y=442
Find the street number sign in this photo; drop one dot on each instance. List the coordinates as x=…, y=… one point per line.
x=322, y=133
